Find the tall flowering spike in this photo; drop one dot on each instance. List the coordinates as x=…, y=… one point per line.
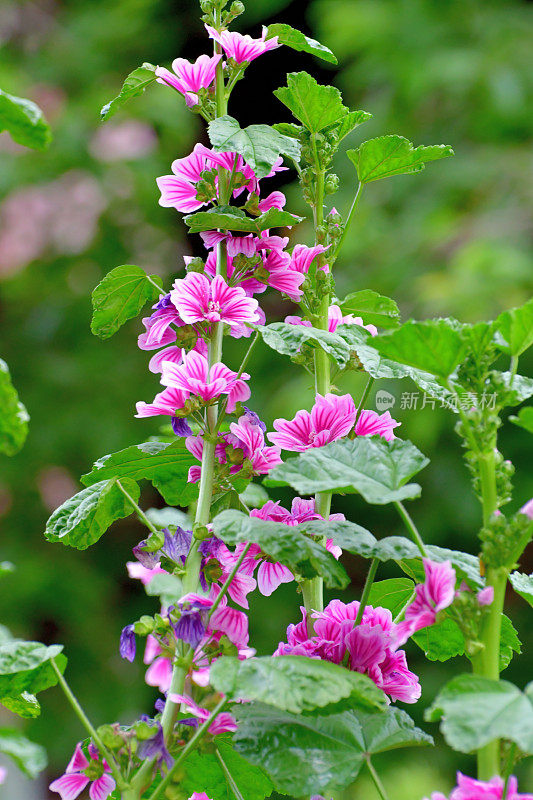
x=472, y=789
x=199, y=299
x=189, y=78
x=332, y=417
x=243, y=48
x=81, y=772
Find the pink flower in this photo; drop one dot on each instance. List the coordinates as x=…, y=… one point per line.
x=194, y=376
x=303, y=256
x=166, y=402
x=199, y=299
x=223, y=723
x=3, y=774
x=273, y=200
x=245, y=278
x=472, y=789
x=432, y=596
x=370, y=423
x=335, y=318
x=242, y=583
x=330, y=418
x=190, y=78
x=159, y=673
x=250, y=438
x=242, y=48
x=527, y=509
x=369, y=648
x=76, y=777
x=199, y=796
x=282, y=276
x=485, y=596
x=145, y=575
x=270, y=574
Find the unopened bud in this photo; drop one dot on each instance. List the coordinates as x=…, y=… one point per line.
x=236, y=9
x=200, y=532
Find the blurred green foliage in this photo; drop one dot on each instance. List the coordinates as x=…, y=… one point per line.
x=453, y=241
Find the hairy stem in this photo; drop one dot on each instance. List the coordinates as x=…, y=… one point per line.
x=229, y=777
x=85, y=721
x=411, y=527
x=366, y=590
x=140, y=513
x=376, y=779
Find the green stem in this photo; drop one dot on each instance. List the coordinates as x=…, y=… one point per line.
x=366, y=392
x=366, y=590
x=351, y=213
x=228, y=580
x=140, y=513
x=229, y=777
x=85, y=721
x=411, y=527
x=191, y=744
x=313, y=589
x=377, y=780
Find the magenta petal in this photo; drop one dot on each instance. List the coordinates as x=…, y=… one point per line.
x=78, y=761
x=102, y=787
x=69, y=786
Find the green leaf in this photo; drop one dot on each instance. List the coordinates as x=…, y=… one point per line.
x=295, y=683
x=288, y=340
x=523, y=585
x=120, y=296
x=304, y=755
x=393, y=155
x=357, y=540
x=203, y=773
x=28, y=756
x=135, y=84
x=13, y=415
x=509, y=642
x=316, y=106
x=291, y=37
x=519, y=388
x=83, y=519
x=163, y=517
x=254, y=496
x=348, y=123
x=376, y=469
x=476, y=710
x=26, y=667
x=283, y=543
x=24, y=121
x=524, y=418
x=231, y=218
x=374, y=308
x=168, y=588
x=259, y=145
x=441, y=641
x=166, y=466
x=25, y=705
x=433, y=346
x=392, y=593
x=516, y=328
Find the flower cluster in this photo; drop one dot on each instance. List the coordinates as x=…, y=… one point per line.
x=371, y=645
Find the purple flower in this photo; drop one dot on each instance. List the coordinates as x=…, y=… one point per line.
x=148, y=560
x=176, y=546
x=192, y=624
x=155, y=748
x=180, y=426
x=128, y=644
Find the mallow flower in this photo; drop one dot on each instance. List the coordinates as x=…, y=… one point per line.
x=188, y=78
x=82, y=772
x=223, y=722
x=331, y=417
x=195, y=377
x=472, y=789
x=335, y=318
x=243, y=49
x=199, y=299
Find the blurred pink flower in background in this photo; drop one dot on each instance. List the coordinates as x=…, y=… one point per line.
x=123, y=141
x=59, y=217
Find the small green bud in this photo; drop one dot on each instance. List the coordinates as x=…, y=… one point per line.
x=195, y=265
x=200, y=532
x=144, y=625
x=236, y=9
x=111, y=736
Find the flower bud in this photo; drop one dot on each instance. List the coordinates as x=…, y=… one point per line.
x=236, y=9
x=144, y=625
x=200, y=532
x=332, y=183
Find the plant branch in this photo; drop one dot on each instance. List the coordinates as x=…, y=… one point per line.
x=377, y=780
x=364, y=396
x=366, y=590
x=411, y=527
x=229, y=777
x=191, y=744
x=349, y=218
x=140, y=513
x=228, y=580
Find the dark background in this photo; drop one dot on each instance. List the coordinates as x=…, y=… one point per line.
x=452, y=241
